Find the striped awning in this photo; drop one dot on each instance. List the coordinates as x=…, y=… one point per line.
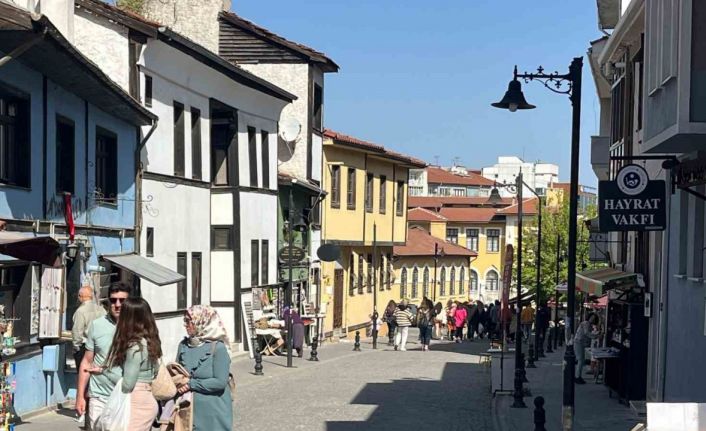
x=597, y=281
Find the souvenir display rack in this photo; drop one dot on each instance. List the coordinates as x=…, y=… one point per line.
x=7, y=371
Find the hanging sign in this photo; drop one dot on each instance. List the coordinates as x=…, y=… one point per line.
x=298, y=254
x=631, y=202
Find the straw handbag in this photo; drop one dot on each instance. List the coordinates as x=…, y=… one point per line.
x=163, y=387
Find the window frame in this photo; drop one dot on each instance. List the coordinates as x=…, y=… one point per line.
x=178, y=139
x=265, y=262
x=383, y=195
x=415, y=283
x=351, y=176
x=403, y=282
x=107, y=197
x=399, y=210
x=65, y=165
x=452, y=238
x=149, y=241
x=335, y=186
x=369, y=192
x=317, y=113
x=196, y=278
x=265, y=158
x=495, y=242
x=495, y=278
x=15, y=167
x=229, y=235
x=252, y=156
x=473, y=239
x=182, y=287
x=148, y=91
x=196, y=150
x=254, y=263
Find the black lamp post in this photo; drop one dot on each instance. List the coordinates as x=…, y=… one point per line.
x=437, y=253
x=514, y=100
x=518, y=392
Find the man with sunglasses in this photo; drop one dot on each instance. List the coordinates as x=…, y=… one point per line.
x=92, y=372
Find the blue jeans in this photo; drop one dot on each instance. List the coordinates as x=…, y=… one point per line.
x=425, y=334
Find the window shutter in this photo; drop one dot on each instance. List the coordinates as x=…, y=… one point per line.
x=50, y=305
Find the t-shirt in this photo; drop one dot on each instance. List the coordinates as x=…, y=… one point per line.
x=98, y=340
x=403, y=317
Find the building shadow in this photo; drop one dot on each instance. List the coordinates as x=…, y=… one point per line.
x=424, y=404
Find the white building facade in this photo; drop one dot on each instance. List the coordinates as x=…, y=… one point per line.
x=539, y=176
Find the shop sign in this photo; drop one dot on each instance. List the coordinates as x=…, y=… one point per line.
x=690, y=173
x=632, y=202
x=298, y=254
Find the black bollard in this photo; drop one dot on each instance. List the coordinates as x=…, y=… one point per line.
x=539, y=414
x=314, y=353
x=530, y=361
x=258, y=364
x=523, y=371
x=356, y=345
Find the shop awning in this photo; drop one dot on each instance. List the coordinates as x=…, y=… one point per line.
x=145, y=268
x=597, y=281
x=526, y=298
x=43, y=249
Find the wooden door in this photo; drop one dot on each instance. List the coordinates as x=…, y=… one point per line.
x=338, y=298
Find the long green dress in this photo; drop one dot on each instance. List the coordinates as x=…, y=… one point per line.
x=213, y=406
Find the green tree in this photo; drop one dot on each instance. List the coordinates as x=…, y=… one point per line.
x=135, y=6
x=555, y=228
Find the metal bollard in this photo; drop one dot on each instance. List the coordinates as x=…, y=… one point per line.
x=539, y=414
x=550, y=341
x=523, y=371
x=356, y=346
x=530, y=361
x=258, y=364
x=314, y=353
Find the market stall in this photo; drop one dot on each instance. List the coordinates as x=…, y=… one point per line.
x=626, y=329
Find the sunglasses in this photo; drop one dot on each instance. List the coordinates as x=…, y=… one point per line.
x=116, y=300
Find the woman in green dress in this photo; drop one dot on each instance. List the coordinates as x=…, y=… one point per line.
x=205, y=354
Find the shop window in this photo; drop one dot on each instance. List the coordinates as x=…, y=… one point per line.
x=16, y=298
x=65, y=155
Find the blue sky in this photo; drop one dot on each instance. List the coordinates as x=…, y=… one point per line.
x=419, y=76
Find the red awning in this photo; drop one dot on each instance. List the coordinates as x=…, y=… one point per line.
x=42, y=249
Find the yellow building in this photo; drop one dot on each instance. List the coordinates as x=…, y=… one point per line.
x=478, y=226
x=367, y=198
x=428, y=266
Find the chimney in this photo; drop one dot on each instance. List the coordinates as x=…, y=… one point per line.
x=59, y=12
x=195, y=19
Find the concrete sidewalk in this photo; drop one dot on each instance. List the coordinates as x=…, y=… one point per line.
x=595, y=411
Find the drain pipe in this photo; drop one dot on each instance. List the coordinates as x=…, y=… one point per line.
x=138, y=183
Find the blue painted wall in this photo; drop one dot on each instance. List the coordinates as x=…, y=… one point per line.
x=31, y=384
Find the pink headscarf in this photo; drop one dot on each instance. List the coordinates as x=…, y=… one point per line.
x=208, y=325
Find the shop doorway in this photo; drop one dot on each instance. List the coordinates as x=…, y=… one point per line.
x=338, y=298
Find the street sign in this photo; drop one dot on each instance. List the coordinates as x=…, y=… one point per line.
x=298, y=254
x=329, y=252
x=632, y=202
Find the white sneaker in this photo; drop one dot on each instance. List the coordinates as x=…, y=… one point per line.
x=403, y=349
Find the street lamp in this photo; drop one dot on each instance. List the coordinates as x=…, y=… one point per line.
x=513, y=100
x=437, y=253
x=517, y=187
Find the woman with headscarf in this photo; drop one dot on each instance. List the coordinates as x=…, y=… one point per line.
x=205, y=354
x=389, y=318
x=297, y=330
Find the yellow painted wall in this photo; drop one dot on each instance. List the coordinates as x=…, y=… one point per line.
x=422, y=262
x=353, y=230
x=438, y=229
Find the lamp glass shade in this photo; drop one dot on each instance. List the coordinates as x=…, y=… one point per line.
x=495, y=198
x=72, y=250
x=513, y=99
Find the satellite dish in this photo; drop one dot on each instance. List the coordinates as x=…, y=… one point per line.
x=289, y=129
x=329, y=252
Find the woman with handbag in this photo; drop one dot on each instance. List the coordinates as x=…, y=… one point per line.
x=205, y=354
x=389, y=318
x=137, y=350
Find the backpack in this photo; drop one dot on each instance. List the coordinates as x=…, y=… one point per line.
x=423, y=320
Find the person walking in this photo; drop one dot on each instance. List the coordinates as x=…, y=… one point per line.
x=205, y=354
x=297, y=330
x=460, y=321
x=403, y=318
x=495, y=315
x=451, y=307
x=93, y=374
x=425, y=317
x=474, y=320
x=585, y=332
x=86, y=313
x=526, y=319
x=389, y=318
x=137, y=349
x=439, y=320
x=482, y=319
x=543, y=318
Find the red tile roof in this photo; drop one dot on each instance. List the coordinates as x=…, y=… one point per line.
x=437, y=175
x=375, y=148
x=310, y=53
x=421, y=243
x=469, y=214
x=445, y=201
x=529, y=206
x=422, y=214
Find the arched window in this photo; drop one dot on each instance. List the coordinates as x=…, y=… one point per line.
x=415, y=282
x=442, y=281
x=491, y=280
x=461, y=281
x=452, y=282
x=425, y=283
x=474, y=281
x=403, y=283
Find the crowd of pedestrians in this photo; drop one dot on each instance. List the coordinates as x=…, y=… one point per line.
x=120, y=368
